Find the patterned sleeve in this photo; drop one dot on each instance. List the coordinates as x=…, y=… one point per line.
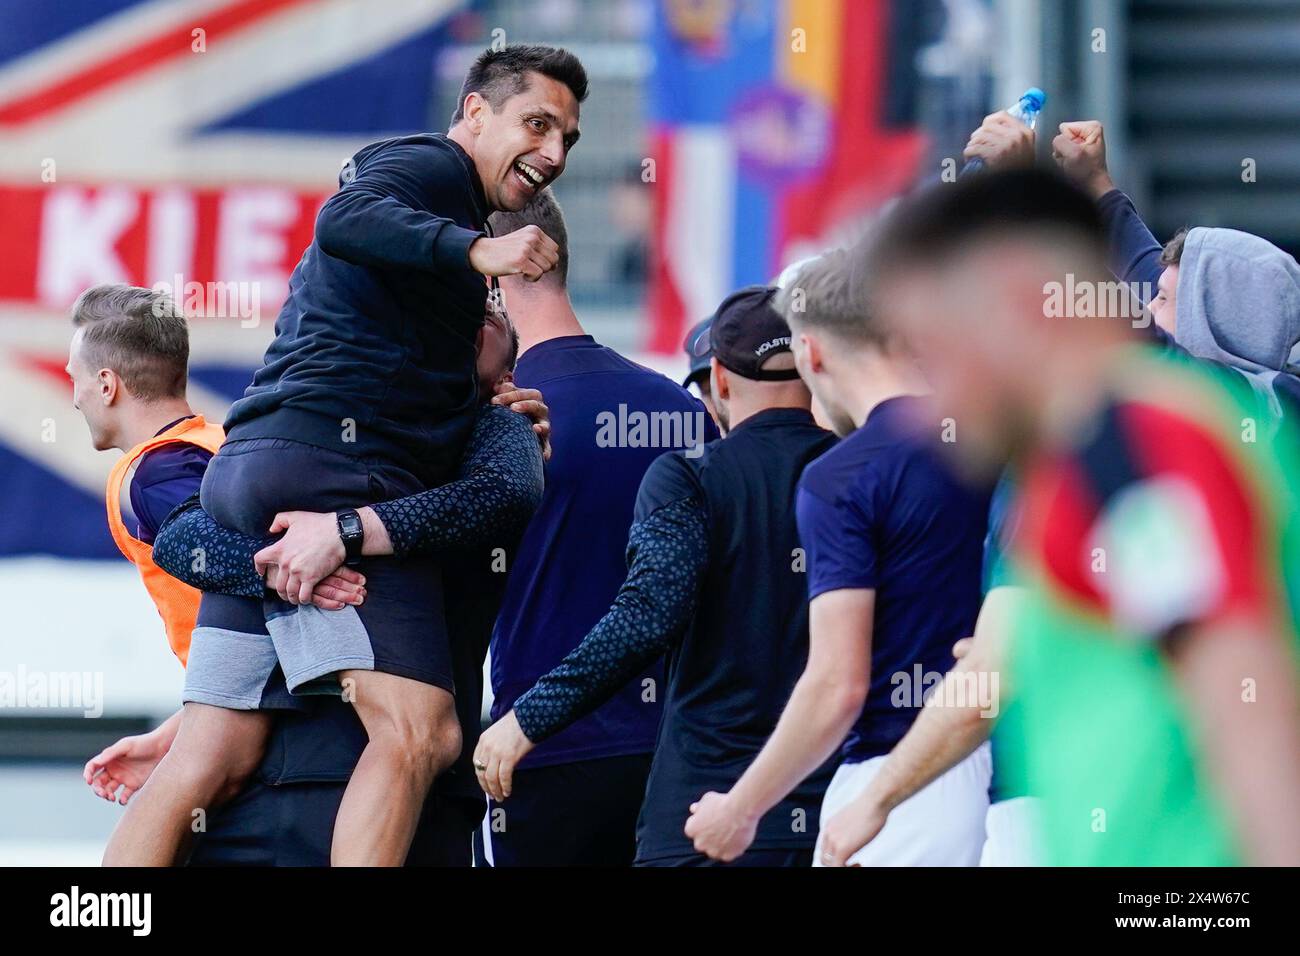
x=193, y=548
x=668, y=551
x=489, y=503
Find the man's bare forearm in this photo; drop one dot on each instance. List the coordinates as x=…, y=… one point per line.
x=824, y=704
x=943, y=735
x=1240, y=686
x=815, y=722
x=168, y=728
x=954, y=721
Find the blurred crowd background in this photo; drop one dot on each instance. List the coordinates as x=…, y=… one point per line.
x=145, y=140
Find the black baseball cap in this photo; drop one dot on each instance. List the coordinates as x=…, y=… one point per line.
x=699, y=349
x=747, y=330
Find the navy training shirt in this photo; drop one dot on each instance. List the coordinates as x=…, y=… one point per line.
x=374, y=350
x=571, y=561
x=731, y=675
x=164, y=477
x=881, y=511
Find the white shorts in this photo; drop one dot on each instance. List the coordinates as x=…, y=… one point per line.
x=940, y=825
x=1013, y=838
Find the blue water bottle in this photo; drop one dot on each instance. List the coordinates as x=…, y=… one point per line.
x=1026, y=110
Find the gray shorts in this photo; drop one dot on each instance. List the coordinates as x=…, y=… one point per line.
x=230, y=640
x=400, y=629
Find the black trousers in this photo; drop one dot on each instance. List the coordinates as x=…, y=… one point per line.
x=752, y=858
x=573, y=814
x=293, y=824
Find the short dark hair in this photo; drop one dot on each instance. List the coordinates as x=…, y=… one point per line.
x=544, y=212
x=496, y=306
x=1172, y=253
x=140, y=334
x=948, y=217
x=497, y=75
x=512, y=342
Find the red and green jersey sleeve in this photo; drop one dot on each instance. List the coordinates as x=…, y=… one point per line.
x=1157, y=522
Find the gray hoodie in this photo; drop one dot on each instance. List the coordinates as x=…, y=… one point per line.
x=1239, y=303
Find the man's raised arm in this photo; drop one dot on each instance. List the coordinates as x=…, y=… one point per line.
x=1080, y=151
x=384, y=217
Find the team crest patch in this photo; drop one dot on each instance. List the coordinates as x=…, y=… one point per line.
x=1153, y=555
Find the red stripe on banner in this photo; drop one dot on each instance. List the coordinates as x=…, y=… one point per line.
x=205, y=235
x=144, y=56
x=667, y=310
x=46, y=259
x=20, y=248
x=133, y=245
x=50, y=368
x=868, y=163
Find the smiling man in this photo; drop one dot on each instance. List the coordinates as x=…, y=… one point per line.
x=518, y=119
x=368, y=392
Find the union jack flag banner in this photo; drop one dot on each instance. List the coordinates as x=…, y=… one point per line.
x=187, y=143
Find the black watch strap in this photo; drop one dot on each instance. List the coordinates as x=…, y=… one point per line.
x=352, y=536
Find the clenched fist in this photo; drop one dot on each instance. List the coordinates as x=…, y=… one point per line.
x=528, y=252
x=1080, y=150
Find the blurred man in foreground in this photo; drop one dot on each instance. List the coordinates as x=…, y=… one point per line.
x=944, y=733
x=1155, y=654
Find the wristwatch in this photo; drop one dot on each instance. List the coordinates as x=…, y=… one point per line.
x=352, y=535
